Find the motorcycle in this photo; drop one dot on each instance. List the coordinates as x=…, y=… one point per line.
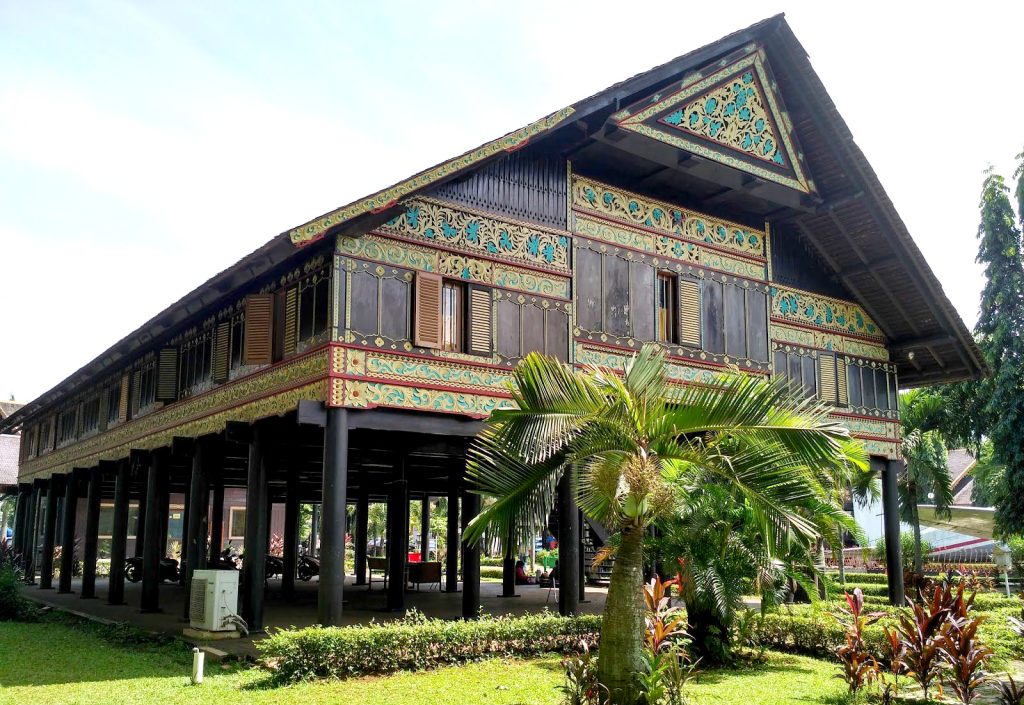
x=168, y=570
x=307, y=567
x=274, y=566
x=228, y=559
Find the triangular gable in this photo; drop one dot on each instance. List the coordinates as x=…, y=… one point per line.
x=729, y=112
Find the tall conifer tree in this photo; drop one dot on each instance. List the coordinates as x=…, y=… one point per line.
x=1001, y=336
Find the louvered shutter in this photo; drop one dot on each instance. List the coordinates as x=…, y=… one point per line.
x=427, y=323
x=828, y=390
x=480, y=335
x=259, y=327
x=51, y=435
x=290, y=337
x=689, y=311
x=122, y=403
x=221, y=352
x=136, y=391
x=167, y=374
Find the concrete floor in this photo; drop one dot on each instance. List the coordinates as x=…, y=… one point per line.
x=362, y=606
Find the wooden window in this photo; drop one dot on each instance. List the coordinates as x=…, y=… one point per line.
x=713, y=316
x=668, y=318
x=757, y=325
x=237, y=339
x=642, y=294
x=616, y=295
x=259, y=327
x=394, y=308
x=314, y=305
x=91, y=415
x=828, y=378
x=799, y=370
x=453, y=316
x=588, y=288
x=113, y=410
x=236, y=523
x=556, y=334
x=66, y=426
x=196, y=367
x=288, y=312
x=427, y=299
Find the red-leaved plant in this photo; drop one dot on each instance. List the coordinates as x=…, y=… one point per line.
x=859, y=667
x=968, y=658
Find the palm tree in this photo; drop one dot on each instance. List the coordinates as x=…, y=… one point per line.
x=927, y=472
x=635, y=445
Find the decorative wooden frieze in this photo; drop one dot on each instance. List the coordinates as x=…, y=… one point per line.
x=791, y=305
x=660, y=217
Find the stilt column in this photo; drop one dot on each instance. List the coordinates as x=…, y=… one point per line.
x=254, y=565
x=568, y=547
x=890, y=470
x=470, y=560
x=90, y=550
x=49, y=532
x=119, y=534
x=194, y=558
x=152, y=544
x=451, y=572
x=335, y=485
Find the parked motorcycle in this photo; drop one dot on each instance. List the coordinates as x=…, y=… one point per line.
x=229, y=559
x=274, y=566
x=307, y=566
x=168, y=570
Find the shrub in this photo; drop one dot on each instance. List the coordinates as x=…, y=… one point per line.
x=967, y=657
x=13, y=606
x=860, y=668
x=1016, y=546
x=416, y=643
x=906, y=549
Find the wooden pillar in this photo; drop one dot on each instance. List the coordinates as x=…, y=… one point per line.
x=21, y=520
x=217, y=518
x=470, y=560
x=152, y=543
x=142, y=471
x=330, y=595
x=398, y=537
x=362, y=529
x=314, y=531
x=425, y=529
x=119, y=533
x=165, y=509
x=32, y=532
x=194, y=558
x=254, y=568
x=90, y=550
x=291, y=533
x=508, y=564
x=49, y=532
x=568, y=547
x=451, y=572
x=890, y=471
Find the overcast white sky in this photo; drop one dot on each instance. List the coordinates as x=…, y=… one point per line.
x=146, y=146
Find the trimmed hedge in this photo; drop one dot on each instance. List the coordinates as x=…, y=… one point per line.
x=416, y=643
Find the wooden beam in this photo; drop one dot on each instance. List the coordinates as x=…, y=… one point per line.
x=313, y=413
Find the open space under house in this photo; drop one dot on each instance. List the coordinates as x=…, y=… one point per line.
x=716, y=203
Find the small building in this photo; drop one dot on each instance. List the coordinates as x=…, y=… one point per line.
x=717, y=204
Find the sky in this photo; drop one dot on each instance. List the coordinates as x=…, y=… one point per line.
x=145, y=147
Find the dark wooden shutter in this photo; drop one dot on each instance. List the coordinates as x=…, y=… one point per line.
x=122, y=404
x=136, y=391
x=427, y=323
x=290, y=335
x=480, y=336
x=642, y=299
x=222, y=352
x=689, y=311
x=757, y=325
x=842, y=387
x=712, y=316
x=167, y=374
x=259, y=328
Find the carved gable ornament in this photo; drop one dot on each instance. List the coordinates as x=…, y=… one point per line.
x=730, y=113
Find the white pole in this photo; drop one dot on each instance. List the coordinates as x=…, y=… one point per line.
x=198, y=657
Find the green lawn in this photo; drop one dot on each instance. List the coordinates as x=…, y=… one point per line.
x=51, y=662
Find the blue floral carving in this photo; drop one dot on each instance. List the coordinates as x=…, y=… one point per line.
x=473, y=232
x=548, y=252
x=412, y=215
x=533, y=244
x=449, y=231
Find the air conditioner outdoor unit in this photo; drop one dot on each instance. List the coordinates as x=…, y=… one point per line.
x=214, y=599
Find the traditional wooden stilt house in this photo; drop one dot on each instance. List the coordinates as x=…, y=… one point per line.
x=716, y=203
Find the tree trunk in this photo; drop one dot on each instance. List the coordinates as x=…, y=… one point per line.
x=918, y=558
x=622, y=628
x=842, y=563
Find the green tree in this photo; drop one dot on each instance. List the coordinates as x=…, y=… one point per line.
x=634, y=446
x=999, y=328
x=927, y=474
x=989, y=488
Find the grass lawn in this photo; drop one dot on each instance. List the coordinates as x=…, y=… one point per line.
x=52, y=662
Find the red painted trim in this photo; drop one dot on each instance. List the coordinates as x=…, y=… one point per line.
x=381, y=209
x=805, y=326
x=962, y=544
x=866, y=437
x=717, y=248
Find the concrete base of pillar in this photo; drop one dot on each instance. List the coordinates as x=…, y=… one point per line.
x=204, y=635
